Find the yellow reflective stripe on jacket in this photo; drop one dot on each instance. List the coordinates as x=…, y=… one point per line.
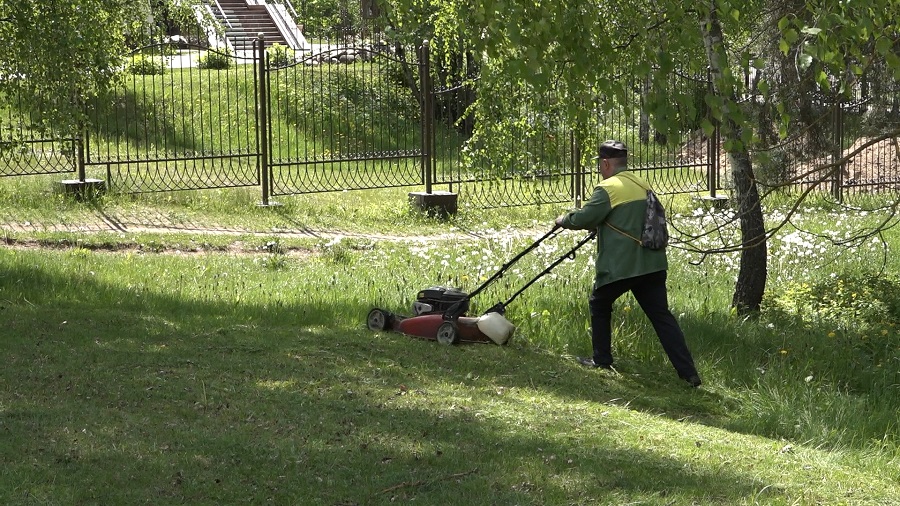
x=624, y=187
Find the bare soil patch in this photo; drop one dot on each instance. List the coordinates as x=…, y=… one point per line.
x=876, y=165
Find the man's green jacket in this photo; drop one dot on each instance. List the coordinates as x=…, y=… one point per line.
x=617, y=208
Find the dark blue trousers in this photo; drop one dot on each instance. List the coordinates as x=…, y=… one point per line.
x=650, y=292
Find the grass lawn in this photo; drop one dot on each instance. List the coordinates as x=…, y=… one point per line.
x=224, y=361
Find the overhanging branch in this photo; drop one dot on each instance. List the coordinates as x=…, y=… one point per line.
x=633, y=36
x=819, y=175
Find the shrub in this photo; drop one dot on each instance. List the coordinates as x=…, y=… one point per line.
x=146, y=65
x=358, y=110
x=279, y=55
x=215, y=60
x=847, y=301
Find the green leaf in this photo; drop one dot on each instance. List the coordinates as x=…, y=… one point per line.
x=883, y=45
x=822, y=80
x=707, y=127
x=893, y=62
x=763, y=87
x=664, y=59
x=783, y=23
x=746, y=136
x=809, y=30
x=790, y=35
x=784, y=124
x=804, y=61
x=729, y=145
x=784, y=47
x=643, y=68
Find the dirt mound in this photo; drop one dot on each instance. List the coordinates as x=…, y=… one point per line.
x=872, y=163
x=878, y=162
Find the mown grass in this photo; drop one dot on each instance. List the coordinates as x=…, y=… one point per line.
x=145, y=366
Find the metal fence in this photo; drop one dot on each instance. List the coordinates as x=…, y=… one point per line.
x=25, y=148
x=175, y=125
x=352, y=115
x=340, y=118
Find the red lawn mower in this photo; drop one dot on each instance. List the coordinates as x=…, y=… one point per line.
x=440, y=312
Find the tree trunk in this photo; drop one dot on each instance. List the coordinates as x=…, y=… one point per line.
x=644, y=128
x=751, y=282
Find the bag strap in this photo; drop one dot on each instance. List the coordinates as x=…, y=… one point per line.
x=626, y=234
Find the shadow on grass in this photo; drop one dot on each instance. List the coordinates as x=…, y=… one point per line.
x=115, y=398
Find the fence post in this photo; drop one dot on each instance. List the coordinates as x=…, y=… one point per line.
x=427, y=115
x=79, y=143
x=263, y=118
x=712, y=145
x=576, y=169
x=441, y=203
x=837, y=183
x=82, y=188
x=713, y=164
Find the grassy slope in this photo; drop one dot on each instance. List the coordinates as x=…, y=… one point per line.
x=111, y=403
x=141, y=378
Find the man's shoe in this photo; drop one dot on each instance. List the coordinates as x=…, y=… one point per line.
x=589, y=362
x=693, y=380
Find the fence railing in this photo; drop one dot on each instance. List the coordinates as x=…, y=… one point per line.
x=27, y=149
x=355, y=115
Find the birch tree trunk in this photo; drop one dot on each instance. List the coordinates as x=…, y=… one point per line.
x=751, y=281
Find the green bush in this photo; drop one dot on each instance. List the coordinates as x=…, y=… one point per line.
x=357, y=110
x=279, y=55
x=846, y=301
x=215, y=60
x=146, y=65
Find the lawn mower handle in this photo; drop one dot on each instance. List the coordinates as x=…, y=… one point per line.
x=500, y=307
x=460, y=307
x=499, y=274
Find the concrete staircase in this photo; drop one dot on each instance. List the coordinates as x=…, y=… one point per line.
x=244, y=22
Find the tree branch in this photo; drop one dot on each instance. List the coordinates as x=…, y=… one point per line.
x=633, y=36
x=823, y=173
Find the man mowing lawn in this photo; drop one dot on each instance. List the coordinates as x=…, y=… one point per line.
x=617, y=210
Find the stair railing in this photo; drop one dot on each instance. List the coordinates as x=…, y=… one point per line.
x=288, y=28
x=224, y=16
x=290, y=8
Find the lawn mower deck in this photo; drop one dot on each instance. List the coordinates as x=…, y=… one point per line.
x=463, y=329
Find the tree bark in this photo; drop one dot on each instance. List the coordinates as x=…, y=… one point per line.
x=751, y=281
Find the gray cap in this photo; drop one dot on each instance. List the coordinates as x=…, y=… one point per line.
x=612, y=149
